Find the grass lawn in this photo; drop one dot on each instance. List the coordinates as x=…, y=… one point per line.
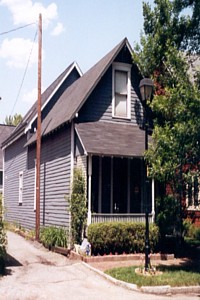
x=184, y=275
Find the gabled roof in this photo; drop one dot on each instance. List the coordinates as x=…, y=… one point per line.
x=5, y=132
x=31, y=115
x=111, y=139
x=75, y=96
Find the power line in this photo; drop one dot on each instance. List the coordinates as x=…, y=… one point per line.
x=15, y=29
x=25, y=71
x=23, y=78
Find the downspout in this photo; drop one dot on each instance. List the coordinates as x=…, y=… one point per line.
x=71, y=169
x=89, y=220
x=3, y=207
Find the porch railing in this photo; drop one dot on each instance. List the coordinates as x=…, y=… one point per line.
x=140, y=217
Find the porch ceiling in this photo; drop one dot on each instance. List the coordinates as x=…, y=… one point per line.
x=111, y=139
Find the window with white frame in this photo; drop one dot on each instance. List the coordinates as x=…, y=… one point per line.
x=193, y=193
x=121, y=105
x=20, y=187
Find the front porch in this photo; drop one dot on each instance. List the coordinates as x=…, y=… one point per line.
x=139, y=217
x=116, y=190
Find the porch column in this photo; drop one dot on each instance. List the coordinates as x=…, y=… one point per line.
x=100, y=185
x=89, y=219
x=142, y=186
x=153, y=200
x=111, y=186
x=128, y=185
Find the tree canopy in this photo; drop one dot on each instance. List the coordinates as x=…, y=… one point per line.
x=13, y=120
x=167, y=53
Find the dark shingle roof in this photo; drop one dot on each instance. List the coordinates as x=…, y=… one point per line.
x=74, y=97
x=112, y=139
x=5, y=132
x=44, y=98
x=46, y=94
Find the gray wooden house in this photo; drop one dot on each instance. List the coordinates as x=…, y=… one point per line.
x=92, y=121
x=5, y=131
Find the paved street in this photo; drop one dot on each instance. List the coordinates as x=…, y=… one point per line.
x=36, y=273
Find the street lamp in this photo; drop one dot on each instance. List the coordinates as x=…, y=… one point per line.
x=146, y=88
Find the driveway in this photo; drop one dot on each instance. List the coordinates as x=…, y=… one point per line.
x=36, y=273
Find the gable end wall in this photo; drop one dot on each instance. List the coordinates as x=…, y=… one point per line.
x=98, y=106
x=55, y=181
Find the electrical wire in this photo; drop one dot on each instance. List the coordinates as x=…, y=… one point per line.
x=20, y=88
x=15, y=29
x=25, y=71
x=24, y=75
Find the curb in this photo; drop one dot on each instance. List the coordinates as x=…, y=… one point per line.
x=129, y=286
x=156, y=290
x=121, y=257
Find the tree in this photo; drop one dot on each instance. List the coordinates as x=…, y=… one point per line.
x=78, y=207
x=189, y=25
x=13, y=120
x=170, y=40
x=3, y=240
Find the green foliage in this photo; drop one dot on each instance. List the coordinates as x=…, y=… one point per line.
x=54, y=236
x=167, y=212
x=191, y=231
x=170, y=36
x=3, y=241
x=13, y=120
x=78, y=207
x=168, y=28
x=118, y=237
x=197, y=234
x=175, y=275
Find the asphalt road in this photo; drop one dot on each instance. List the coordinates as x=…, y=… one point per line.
x=36, y=273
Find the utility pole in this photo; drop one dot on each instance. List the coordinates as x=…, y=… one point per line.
x=38, y=149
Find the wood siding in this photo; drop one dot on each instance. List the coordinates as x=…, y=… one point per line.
x=55, y=182
x=15, y=162
x=99, y=104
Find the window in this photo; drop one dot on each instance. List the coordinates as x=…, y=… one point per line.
x=193, y=193
x=20, y=187
x=121, y=91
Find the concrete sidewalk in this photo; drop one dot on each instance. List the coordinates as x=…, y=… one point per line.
x=35, y=273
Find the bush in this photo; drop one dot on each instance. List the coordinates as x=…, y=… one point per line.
x=3, y=242
x=190, y=230
x=197, y=234
x=78, y=208
x=54, y=236
x=118, y=237
x=167, y=215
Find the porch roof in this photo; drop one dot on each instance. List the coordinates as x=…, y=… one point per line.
x=111, y=139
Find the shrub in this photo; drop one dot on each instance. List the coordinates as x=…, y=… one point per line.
x=167, y=215
x=197, y=234
x=190, y=230
x=54, y=236
x=78, y=208
x=3, y=241
x=118, y=237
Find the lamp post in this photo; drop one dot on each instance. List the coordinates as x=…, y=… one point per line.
x=146, y=88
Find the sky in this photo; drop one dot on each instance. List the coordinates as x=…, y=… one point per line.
x=72, y=30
